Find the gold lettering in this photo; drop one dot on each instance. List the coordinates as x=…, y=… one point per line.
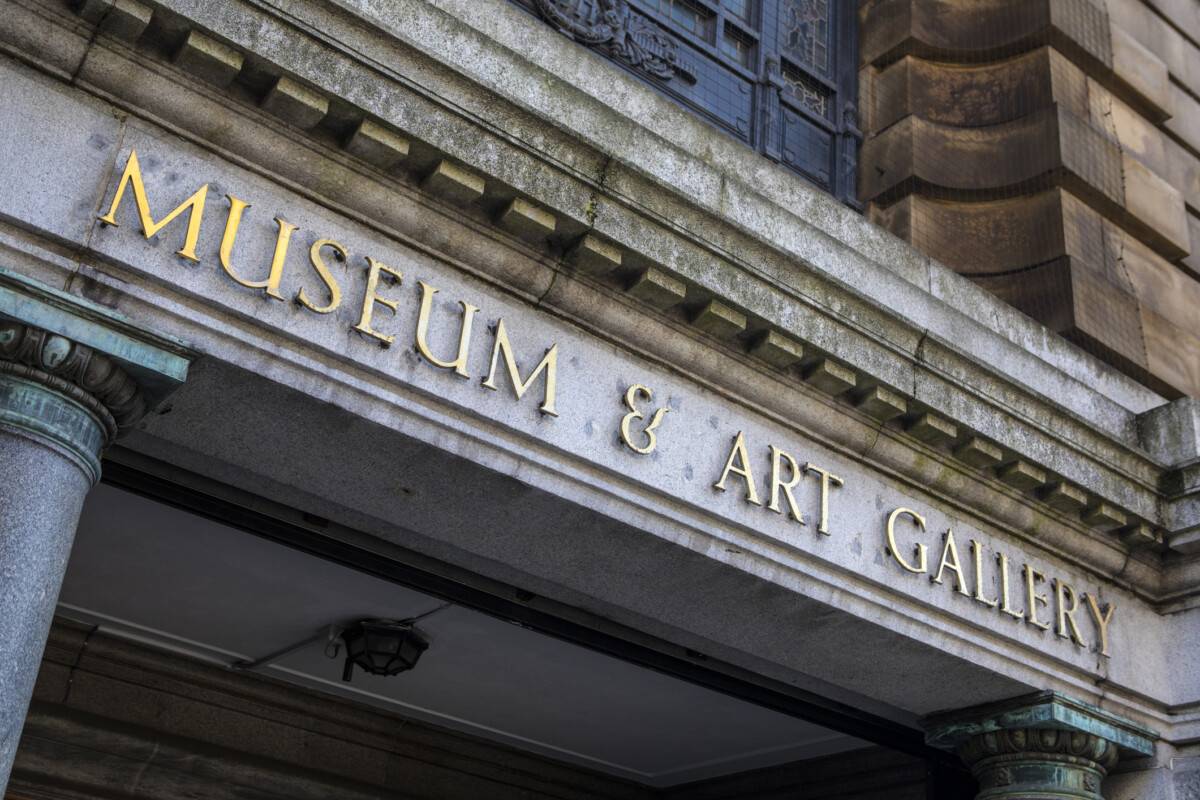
x=1066, y=616
x=331, y=285
x=950, y=559
x=459, y=364
x=549, y=364
x=1101, y=620
x=977, y=552
x=1002, y=559
x=1032, y=598
x=271, y=283
x=194, y=205
x=631, y=397
x=371, y=297
x=738, y=451
x=827, y=478
x=921, y=554
x=777, y=459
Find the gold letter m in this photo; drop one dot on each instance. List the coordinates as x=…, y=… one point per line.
x=194, y=205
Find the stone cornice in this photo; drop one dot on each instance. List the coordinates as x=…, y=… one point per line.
x=777, y=260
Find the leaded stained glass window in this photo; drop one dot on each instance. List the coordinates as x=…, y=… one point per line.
x=778, y=74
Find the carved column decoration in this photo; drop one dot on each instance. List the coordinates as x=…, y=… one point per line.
x=75, y=371
x=1034, y=763
x=1039, y=746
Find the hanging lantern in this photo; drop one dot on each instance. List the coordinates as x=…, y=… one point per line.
x=382, y=646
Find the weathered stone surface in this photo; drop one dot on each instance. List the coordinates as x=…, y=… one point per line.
x=1171, y=432
x=1077, y=109
x=125, y=19
x=61, y=402
x=777, y=350
x=1065, y=497
x=528, y=220
x=1141, y=534
x=719, y=320
x=830, y=377
x=595, y=256
x=1027, y=718
x=1022, y=475
x=1104, y=516
x=86, y=130
x=979, y=452
x=1157, y=206
x=454, y=183
x=1040, y=745
x=933, y=429
x=208, y=59
x=1144, y=72
x=882, y=403
x=377, y=144
x=295, y=103
x=657, y=289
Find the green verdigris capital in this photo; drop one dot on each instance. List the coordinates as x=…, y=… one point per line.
x=1036, y=763
x=1044, y=746
x=66, y=394
x=35, y=409
x=73, y=374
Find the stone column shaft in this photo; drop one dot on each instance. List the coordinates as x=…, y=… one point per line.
x=61, y=402
x=41, y=494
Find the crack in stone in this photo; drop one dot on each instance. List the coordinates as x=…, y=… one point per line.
x=75, y=665
x=919, y=356
x=594, y=199
x=590, y=212
x=137, y=779
x=878, y=432
x=90, y=45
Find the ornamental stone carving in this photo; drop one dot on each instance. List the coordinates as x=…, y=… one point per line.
x=77, y=371
x=612, y=27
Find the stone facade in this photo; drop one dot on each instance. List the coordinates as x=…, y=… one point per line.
x=375, y=201
x=1047, y=150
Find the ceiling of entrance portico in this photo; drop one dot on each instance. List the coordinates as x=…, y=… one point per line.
x=152, y=572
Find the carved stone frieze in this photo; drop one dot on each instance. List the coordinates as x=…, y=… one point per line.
x=612, y=27
x=83, y=374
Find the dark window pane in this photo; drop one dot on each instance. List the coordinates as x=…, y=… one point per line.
x=780, y=75
x=805, y=32
x=738, y=46
x=687, y=16
x=739, y=8
x=805, y=91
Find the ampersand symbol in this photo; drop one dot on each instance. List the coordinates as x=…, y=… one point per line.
x=632, y=396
